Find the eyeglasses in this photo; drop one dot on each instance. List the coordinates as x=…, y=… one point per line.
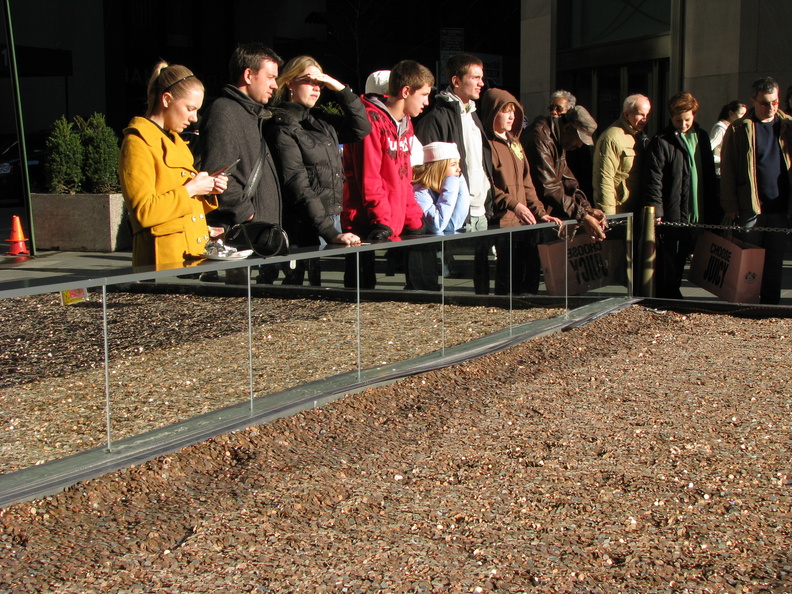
x=558, y=108
x=768, y=103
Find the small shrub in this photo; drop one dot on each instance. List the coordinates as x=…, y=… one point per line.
x=100, y=146
x=331, y=107
x=64, y=169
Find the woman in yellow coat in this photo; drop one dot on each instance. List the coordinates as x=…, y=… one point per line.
x=166, y=197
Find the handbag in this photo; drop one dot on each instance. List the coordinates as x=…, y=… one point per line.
x=265, y=239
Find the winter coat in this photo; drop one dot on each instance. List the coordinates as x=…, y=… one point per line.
x=716, y=142
x=511, y=171
x=617, y=168
x=444, y=212
x=378, y=173
x=443, y=123
x=168, y=224
x=305, y=147
x=739, y=191
x=553, y=179
x=666, y=178
x=232, y=128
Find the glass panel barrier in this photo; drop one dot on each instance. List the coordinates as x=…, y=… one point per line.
x=169, y=361
x=472, y=310
x=299, y=335
x=400, y=302
x=52, y=384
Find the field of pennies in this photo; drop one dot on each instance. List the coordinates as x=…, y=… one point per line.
x=646, y=452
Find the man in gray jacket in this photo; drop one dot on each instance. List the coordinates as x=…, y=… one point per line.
x=232, y=128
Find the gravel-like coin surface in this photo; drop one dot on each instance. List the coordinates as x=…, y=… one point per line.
x=646, y=452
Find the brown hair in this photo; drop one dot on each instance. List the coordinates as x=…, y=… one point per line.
x=431, y=174
x=250, y=55
x=411, y=74
x=682, y=102
x=459, y=65
x=174, y=79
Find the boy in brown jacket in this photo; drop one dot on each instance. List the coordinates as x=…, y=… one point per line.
x=516, y=202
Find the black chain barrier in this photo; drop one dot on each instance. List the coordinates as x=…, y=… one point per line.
x=725, y=227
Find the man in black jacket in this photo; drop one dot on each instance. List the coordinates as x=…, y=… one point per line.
x=454, y=119
x=232, y=128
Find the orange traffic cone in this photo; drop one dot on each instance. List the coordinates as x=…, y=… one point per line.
x=17, y=239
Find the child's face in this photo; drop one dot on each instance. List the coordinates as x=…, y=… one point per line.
x=453, y=169
x=504, y=120
x=415, y=102
x=683, y=121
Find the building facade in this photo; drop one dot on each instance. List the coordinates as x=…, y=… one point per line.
x=604, y=50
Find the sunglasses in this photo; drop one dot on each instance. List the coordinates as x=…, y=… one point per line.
x=768, y=103
x=558, y=108
x=307, y=80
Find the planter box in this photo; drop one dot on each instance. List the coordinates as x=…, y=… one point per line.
x=81, y=222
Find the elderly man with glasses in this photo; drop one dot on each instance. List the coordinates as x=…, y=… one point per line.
x=546, y=142
x=755, y=179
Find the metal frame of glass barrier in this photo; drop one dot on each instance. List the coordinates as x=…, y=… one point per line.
x=445, y=297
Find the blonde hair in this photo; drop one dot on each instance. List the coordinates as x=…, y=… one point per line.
x=174, y=79
x=293, y=69
x=431, y=175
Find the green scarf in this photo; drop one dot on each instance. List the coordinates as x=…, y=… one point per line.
x=690, y=141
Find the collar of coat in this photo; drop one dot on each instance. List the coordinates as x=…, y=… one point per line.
x=150, y=132
x=289, y=111
x=173, y=148
x=628, y=127
x=455, y=102
x=257, y=109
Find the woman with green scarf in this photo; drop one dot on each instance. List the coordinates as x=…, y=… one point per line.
x=680, y=182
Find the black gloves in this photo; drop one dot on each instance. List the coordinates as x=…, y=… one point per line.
x=419, y=231
x=379, y=233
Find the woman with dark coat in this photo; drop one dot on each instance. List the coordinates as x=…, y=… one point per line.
x=305, y=145
x=680, y=182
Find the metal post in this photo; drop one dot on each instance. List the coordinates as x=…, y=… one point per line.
x=629, y=235
x=648, y=252
x=23, y=160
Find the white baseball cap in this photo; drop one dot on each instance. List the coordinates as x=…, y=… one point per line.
x=377, y=82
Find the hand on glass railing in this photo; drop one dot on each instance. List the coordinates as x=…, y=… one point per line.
x=379, y=233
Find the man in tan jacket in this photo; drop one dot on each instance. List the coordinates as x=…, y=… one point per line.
x=617, y=158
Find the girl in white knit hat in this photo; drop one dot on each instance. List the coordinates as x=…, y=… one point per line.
x=443, y=196
x=440, y=189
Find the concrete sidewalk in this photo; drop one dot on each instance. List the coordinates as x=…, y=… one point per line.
x=56, y=267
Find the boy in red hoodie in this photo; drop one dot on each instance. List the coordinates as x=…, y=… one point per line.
x=379, y=201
